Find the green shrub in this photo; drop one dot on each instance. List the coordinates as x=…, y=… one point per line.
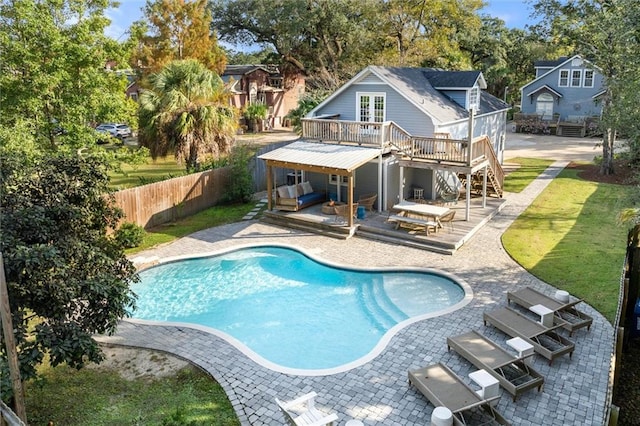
x=130, y=235
x=240, y=188
x=257, y=111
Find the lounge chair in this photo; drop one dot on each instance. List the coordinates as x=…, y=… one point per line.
x=309, y=416
x=443, y=388
x=545, y=340
x=342, y=212
x=367, y=201
x=513, y=373
x=571, y=318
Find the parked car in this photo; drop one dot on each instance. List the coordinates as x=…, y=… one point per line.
x=117, y=130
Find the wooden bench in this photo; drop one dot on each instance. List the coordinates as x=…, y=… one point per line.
x=400, y=220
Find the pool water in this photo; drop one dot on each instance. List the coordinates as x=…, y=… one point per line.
x=289, y=309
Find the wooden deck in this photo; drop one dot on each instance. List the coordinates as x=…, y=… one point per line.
x=376, y=226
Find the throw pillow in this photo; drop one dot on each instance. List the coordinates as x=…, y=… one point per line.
x=306, y=188
x=283, y=192
x=293, y=191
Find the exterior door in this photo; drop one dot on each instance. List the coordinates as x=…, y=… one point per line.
x=544, y=106
x=371, y=107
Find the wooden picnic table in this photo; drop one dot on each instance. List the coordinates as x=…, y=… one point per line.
x=428, y=215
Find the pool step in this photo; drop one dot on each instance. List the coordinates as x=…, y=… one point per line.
x=382, y=312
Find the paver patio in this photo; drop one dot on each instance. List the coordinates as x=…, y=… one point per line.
x=574, y=392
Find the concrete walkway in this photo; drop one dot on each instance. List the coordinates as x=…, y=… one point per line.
x=377, y=392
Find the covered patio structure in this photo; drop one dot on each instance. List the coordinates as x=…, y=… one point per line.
x=328, y=159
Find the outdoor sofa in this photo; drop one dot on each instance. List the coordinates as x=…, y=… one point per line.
x=296, y=197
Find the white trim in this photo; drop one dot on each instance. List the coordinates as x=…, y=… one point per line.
x=560, y=66
x=573, y=71
x=372, y=96
x=584, y=78
x=568, y=71
x=476, y=105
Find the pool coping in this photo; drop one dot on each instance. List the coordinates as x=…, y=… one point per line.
x=254, y=356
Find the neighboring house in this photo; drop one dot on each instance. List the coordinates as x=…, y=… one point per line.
x=565, y=94
x=405, y=129
x=264, y=83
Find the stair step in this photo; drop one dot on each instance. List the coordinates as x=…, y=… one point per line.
x=341, y=235
x=404, y=242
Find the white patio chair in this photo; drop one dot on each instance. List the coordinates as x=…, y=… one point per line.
x=309, y=415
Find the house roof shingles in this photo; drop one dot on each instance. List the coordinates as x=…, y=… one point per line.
x=419, y=86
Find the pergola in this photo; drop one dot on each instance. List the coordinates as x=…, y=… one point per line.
x=329, y=159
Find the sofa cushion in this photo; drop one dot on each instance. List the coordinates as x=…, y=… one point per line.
x=306, y=188
x=283, y=191
x=312, y=197
x=293, y=191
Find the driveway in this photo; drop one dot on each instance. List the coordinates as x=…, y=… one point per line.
x=550, y=147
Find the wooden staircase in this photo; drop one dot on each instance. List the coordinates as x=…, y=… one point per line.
x=493, y=185
x=495, y=172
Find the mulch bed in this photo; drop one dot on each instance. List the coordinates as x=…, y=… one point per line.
x=623, y=173
x=626, y=395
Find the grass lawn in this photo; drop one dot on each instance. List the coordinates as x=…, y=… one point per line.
x=214, y=216
x=160, y=169
x=529, y=169
x=92, y=397
x=569, y=238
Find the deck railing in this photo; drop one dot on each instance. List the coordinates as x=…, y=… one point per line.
x=390, y=135
x=339, y=131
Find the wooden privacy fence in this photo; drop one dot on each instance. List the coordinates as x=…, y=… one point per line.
x=161, y=202
x=259, y=168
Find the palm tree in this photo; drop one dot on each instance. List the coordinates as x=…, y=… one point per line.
x=186, y=110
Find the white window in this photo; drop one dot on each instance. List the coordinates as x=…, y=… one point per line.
x=576, y=78
x=371, y=107
x=588, y=78
x=344, y=180
x=544, y=106
x=474, y=98
x=564, y=78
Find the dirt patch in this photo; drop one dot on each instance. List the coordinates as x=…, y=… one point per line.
x=624, y=174
x=136, y=363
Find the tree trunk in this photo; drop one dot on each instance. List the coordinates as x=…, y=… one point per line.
x=606, y=167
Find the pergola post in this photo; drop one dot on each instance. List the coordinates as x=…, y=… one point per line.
x=269, y=186
x=350, y=198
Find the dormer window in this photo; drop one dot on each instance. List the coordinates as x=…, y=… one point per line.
x=474, y=98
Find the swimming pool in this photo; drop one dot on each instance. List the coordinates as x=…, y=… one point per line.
x=290, y=312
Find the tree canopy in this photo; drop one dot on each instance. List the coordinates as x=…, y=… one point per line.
x=67, y=278
x=186, y=111
x=175, y=30
x=53, y=82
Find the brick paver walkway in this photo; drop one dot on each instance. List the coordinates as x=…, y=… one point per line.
x=377, y=392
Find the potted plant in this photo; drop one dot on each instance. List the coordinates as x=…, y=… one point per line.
x=254, y=114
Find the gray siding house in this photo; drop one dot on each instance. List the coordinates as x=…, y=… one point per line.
x=565, y=91
x=425, y=131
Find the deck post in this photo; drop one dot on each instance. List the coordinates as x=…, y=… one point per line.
x=484, y=187
x=269, y=186
x=467, y=210
x=350, y=198
x=401, y=185
x=380, y=182
x=470, y=144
